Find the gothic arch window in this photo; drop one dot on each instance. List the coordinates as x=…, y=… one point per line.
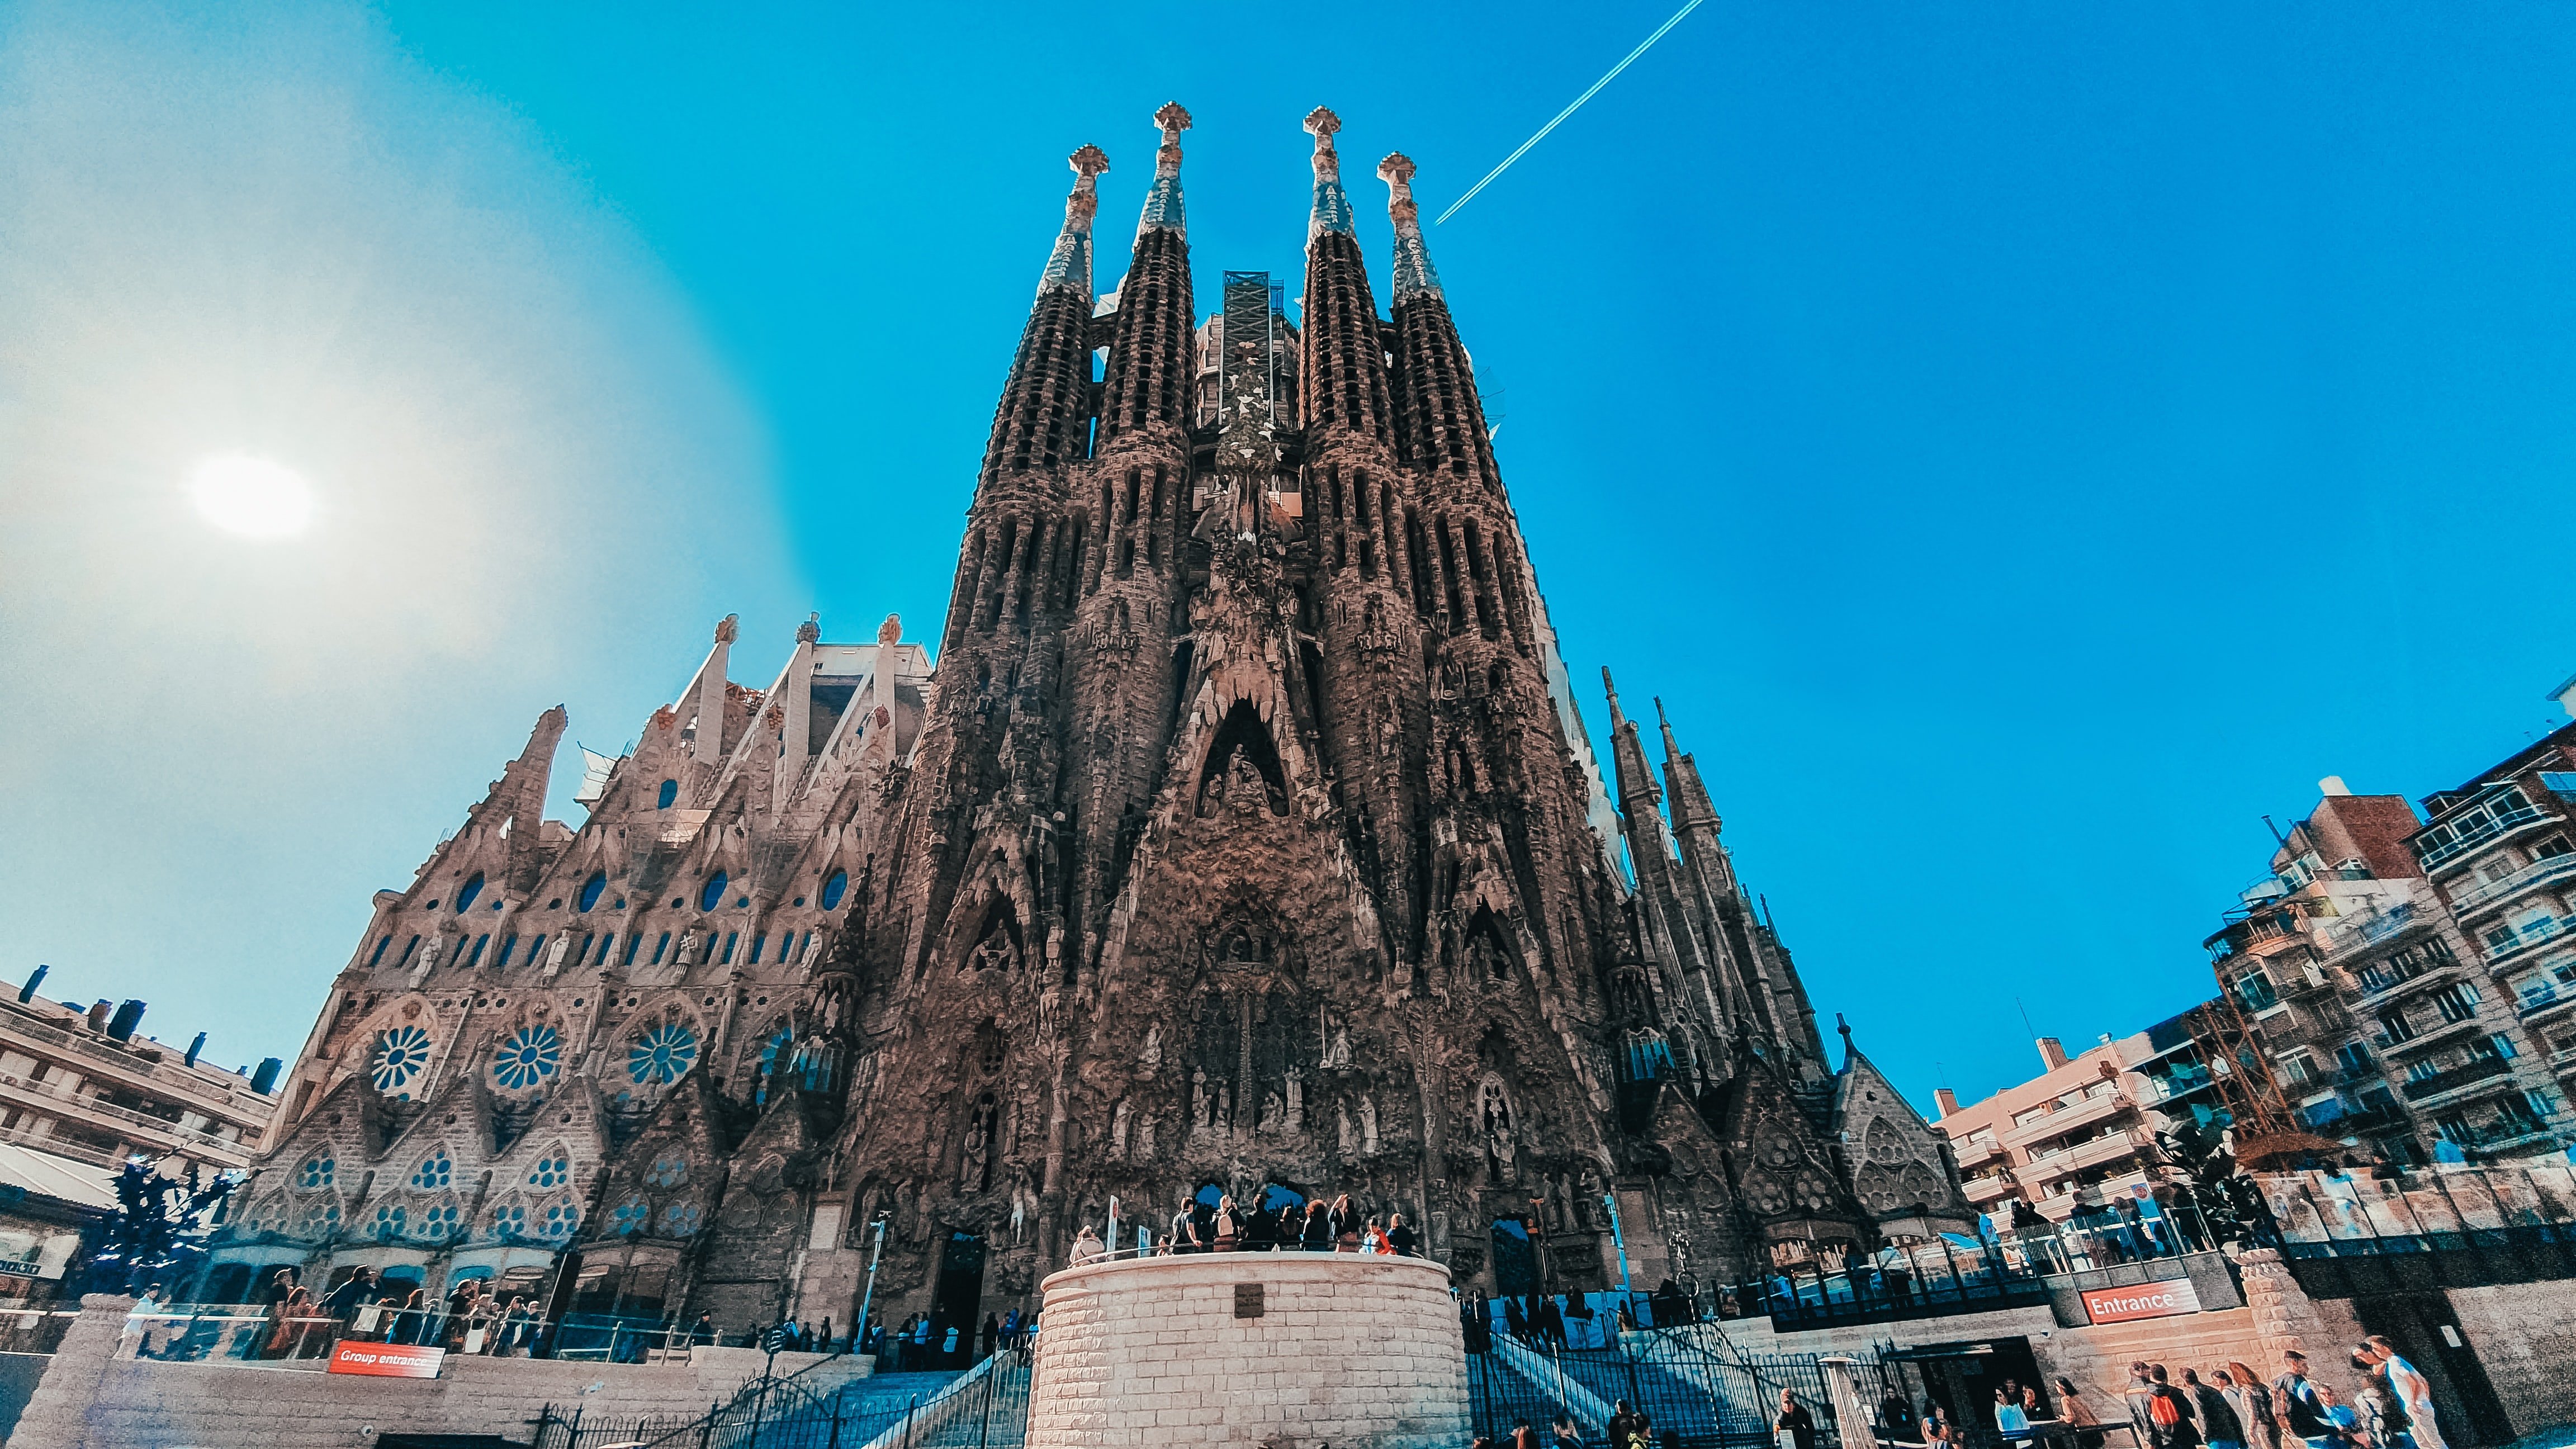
x=1242, y=772
x=834, y=889
x=319, y=1219
x=269, y=1216
x=528, y=1057
x=682, y=1219
x=669, y=1169
x=552, y=1170
x=559, y=1221
x=392, y=1222
x=670, y=792
x=436, y=1221
x=435, y=1171
x=630, y=1217
x=711, y=894
x=465, y=894
x=590, y=891
x=510, y=1220
x=400, y=1054
x=316, y=1172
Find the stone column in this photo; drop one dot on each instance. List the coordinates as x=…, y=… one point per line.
x=57, y=1415
x=2285, y=1318
x=1851, y=1411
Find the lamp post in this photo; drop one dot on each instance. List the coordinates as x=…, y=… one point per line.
x=874, y=1253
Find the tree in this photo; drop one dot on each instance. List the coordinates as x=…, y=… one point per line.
x=158, y=1232
x=2228, y=1200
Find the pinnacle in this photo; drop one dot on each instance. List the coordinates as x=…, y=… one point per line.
x=1173, y=119
x=1322, y=123
x=1089, y=162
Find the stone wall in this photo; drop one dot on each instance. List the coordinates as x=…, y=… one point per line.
x=1283, y=1350
x=2523, y=1338
x=90, y=1399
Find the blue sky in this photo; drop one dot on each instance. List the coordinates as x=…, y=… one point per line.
x=2022, y=445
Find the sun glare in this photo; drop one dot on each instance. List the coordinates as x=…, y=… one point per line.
x=251, y=496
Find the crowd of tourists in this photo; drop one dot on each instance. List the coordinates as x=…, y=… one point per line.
x=1224, y=1226
x=2388, y=1404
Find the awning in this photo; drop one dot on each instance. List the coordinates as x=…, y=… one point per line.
x=63, y=1179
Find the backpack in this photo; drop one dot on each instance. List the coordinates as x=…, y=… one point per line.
x=2161, y=1410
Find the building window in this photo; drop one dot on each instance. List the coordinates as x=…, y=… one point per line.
x=2456, y=1002
x=479, y=943
x=472, y=888
x=2422, y=1070
x=590, y=890
x=381, y=943
x=532, y=1054
x=435, y=1171
x=668, y=1170
x=2559, y=782
x=730, y=938
x=2394, y=1025
x=2353, y=1059
x=552, y=1170
x=536, y=948
x=632, y=942
x=408, y=947
x=758, y=941
x=316, y=1173
x=670, y=792
x=2255, y=990
x=607, y=943
x=834, y=888
x=712, y=895
x=660, y=946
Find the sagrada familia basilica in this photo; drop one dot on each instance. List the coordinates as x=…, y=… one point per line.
x=1244, y=838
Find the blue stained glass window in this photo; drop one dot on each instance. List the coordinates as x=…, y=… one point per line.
x=835, y=888
x=391, y=1221
x=465, y=897
x=730, y=938
x=660, y=946
x=479, y=943
x=757, y=942
x=632, y=941
x=554, y=1170
x=510, y=1220
x=381, y=943
x=316, y=1172
x=437, y=1221
x=562, y=1216
x=668, y=1170
x=681, y=1219
x=590, y=890
x=408, y=947
x=528, y=1057
x=670, y=792
x=713, y=895
x=662, y=1055
x=630, y=1217
x=435, y=1171
x=400, y=1054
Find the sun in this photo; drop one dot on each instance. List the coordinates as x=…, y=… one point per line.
x=251, y=496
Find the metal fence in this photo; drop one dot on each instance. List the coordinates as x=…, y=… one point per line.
x=249, y=1333
x=1690, y=1384
x=987, y=1408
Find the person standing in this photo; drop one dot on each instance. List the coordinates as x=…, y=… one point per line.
x=1627, y=1426
x=2298, y=1406
x=1793, y=1427
x=2413, y=1391
x=2262, y=1428
x=2170, y=1413
x=1895, y=1416
x=2137, y=1398
x=1564, y=1433
x=2375, y=1406
x=2011, y=1422
x=2079, y=1416
x=1346, y=1225
x=2218, y=1422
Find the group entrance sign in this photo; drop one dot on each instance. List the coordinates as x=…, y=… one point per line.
x=388, y=1360
x=2168, y=1299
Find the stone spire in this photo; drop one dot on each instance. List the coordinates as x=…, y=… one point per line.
x=1413, y=271
x=1163, y=199
x=1440, y=421
x=1344, y=382
x=1069, y=266
x=1332, y=211
x=1151, y=365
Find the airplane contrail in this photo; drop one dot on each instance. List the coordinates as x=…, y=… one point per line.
x=1569, y=110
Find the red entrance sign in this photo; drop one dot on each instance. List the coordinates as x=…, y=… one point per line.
x=2142, y=1300
x=388, y=1360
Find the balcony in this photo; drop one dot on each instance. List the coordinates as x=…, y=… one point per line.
x=1985, y=1190
x=2544, y=1001
x=2067, y=1119
x=2449, y=840
x=2422, y=1089
x=2540, y=872
x=2110, y=1147
x=2426, y=1036
x=2539, y=933
x=1976, y=1154
x=157, y=1132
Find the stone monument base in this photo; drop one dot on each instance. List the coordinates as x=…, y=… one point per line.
x=1283, y=1350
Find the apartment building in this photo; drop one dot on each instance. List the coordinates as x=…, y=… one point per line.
x=83, y=1083
x=2412, y=978
x=2077, y=1136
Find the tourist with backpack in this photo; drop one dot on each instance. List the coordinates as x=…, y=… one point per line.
x=2170, y=1417
x=2301, y=1409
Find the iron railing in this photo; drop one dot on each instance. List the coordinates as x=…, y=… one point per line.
x=1688, y=1382
x=984, y=1408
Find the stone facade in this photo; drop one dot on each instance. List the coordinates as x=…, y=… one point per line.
x=1279, y=1349
x=1246, y=834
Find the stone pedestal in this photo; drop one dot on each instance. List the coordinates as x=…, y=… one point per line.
x=1280, y=1350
